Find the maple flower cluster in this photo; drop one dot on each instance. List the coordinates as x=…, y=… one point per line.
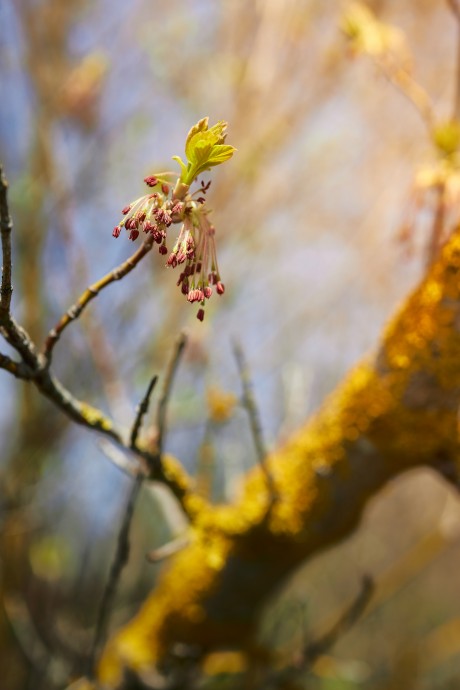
x=194, y=249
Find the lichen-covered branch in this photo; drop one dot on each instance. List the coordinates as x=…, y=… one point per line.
x=394, y=411
x=35, y=367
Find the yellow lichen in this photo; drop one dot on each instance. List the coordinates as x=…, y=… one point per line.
x=392, y=412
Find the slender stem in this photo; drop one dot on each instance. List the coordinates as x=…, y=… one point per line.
x=91, y=292
x=120, y=559
x=168, y=550
x=346, y=621
x=437, y=226
x=455, y=8
x=18, y=369
x=166, y=392
x=141, y=411
x=6, y=227
x=253, y=414
x=9, y=329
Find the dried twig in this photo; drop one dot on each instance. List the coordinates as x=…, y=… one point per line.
x=166, y=391
x=91, y=292
x=120, y=560
x=141, y=411
x=251, y=408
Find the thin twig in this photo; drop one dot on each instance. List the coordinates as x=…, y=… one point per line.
x=455, y=7
x=310, y=653
x=91, y=292
x=11, y=331
x=253, y=414
x=35, y=367
x=141, y=411
x=166, y=391
x=121, y=558
x=120, y=459
x=437, y=229
x=167, y=550
x=346, y=621
x=18, y=369
x=6, y=227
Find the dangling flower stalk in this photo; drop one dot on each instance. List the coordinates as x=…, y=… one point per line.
x=154, y=213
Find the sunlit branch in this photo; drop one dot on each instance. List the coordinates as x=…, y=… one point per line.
x=35, y=367
x=91, y=292
x=166, y=391
x=253, y=414
x=120, y=560
x=141, y=411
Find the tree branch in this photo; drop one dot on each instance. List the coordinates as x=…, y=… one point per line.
x=120, y=560
x=141, y=411
x=395, y=411
x=254, y=420
x=166, y=391
x=91, y=292
x=6, y=227
x=18, y=369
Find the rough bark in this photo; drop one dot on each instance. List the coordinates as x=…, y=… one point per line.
x=397, y=409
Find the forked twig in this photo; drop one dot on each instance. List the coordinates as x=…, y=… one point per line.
x=35, y=367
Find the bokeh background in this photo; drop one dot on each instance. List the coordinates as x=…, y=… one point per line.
x=321, y=232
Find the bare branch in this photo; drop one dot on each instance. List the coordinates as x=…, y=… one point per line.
x=6, y=227
x=120, y=560
x=10, y=330
x=91, y=292
x=167, y=387
x=141, y=411
x=18, y=369
x=253, y=414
